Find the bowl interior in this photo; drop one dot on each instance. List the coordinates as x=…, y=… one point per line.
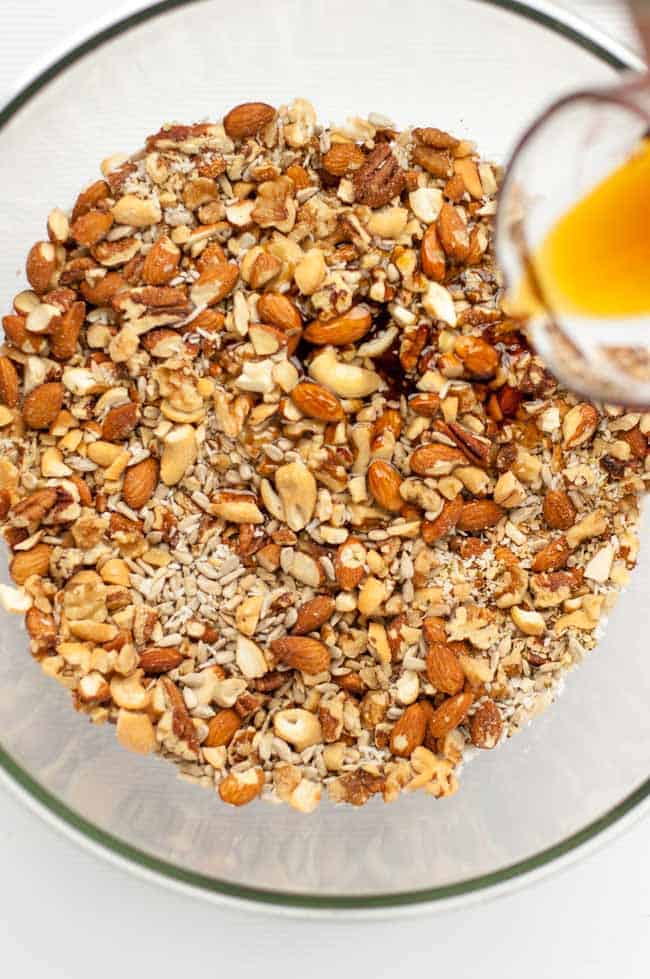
x=475, y=68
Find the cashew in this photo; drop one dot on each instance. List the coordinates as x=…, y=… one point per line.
x=135, y=732
x=346, y=380
x=81, y=381
x=299, y=727
x=530, y=623
x=178, y=454
x=305, y=568
x=600, y=566
x=508, y=491
x=236, y=506
x=425, y=202
x=14, y=599
x=372, y=594
x=590, y=526
x=388, y=223
x=135, y=211
x=226, y=692
x=306, y=796
x=310, y=271
x=475, y=480
x=296, y=487
x=128, y=692
x=271, y=500
x=257, y=376
x=302, y=122
x=378, y=642
x=52, y=464
x=247, y=614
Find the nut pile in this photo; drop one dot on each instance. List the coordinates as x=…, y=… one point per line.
x=288, y=498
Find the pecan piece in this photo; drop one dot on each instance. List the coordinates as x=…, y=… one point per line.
x=379, y=179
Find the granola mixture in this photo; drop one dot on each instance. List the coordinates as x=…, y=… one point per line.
x=288, y=498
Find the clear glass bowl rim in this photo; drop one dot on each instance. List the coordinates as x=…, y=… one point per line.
x=53, y=810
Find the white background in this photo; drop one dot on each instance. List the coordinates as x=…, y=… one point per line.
x=65, y=913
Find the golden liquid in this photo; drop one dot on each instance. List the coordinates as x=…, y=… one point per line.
x=595, y=261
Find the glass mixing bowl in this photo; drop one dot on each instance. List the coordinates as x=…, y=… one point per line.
x=475, y=68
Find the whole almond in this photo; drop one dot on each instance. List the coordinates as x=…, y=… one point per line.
x=140, y=481
x=315, y=401
x=161, y=262
x=9, y=383
x=26, y=563
x=65, y=332
x=478, y=356
x=91, y=227
x=40, y=266
x=443, y=668
x=343, y=157
x=478, y=515
x=42, y=405
x=278, y=310
x=302, y=653
x=450, y=714
x=552, y=557
x=432, y=255
x=349, y=563
x=222, y=728
x=348, y=328
x=120, y=422
x=240, y=788
x=559, y=511
x=453, y=234
x=436, y=459
x=247, y=119
x=160, y=659
x=384, y=482
x=435, y=162
x=486, y=725
x=409, y=731
x=313, y=614
x=445, y=522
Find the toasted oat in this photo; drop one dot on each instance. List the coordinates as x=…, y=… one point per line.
x=289, y=499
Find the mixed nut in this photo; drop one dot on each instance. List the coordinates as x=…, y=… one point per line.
x=288, y=498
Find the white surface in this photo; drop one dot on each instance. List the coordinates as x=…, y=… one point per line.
x=65, y=913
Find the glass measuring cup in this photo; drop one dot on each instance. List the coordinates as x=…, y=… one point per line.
x=573, y=146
